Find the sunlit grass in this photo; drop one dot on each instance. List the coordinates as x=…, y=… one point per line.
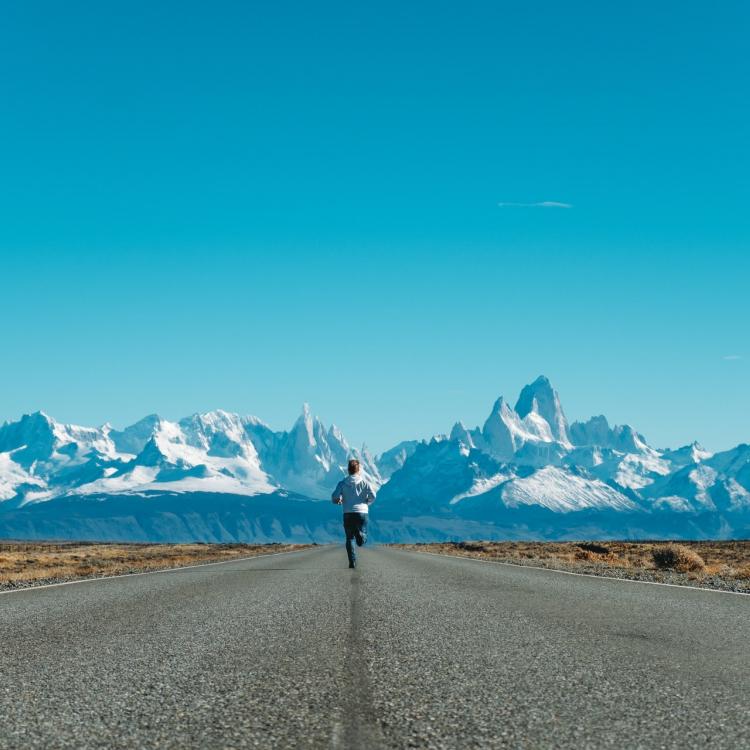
x=26, y=562
x=699, y=560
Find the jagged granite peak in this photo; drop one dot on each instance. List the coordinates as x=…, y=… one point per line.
x=595, y=431
x=498, y=480
x=503, y=432
x=462, y=434
x=394, y=458
x=212, y=451
x=538, y=428
x=506, y=433
x=304, y=428
x=693, y=453
x=541, y=398
x=625, y=438
x=310, y=458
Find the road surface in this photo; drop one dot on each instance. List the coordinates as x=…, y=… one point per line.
x=296, y=650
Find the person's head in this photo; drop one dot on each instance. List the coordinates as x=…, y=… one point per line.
x=353, y=466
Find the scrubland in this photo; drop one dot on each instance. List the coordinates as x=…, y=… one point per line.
x=714, y=564
x=25, y=564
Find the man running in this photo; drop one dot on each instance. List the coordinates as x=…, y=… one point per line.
x=355, y=494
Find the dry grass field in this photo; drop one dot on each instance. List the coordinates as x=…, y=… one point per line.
x=716, y=564
x=28, y=563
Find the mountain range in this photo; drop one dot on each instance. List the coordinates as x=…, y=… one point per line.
x=525, y=473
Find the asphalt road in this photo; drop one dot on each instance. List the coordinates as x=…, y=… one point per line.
x=409, y=650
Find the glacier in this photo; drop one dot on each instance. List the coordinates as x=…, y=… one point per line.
x=526, y=473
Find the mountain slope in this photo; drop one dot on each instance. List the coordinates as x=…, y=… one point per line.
x=214, y=452
x=526, y=473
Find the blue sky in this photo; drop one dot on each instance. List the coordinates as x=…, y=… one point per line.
x=249, y=206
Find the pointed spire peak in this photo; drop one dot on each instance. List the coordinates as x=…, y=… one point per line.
x=304, y=427
x=501, y=405
x=305, y=416
x=538, y=392
x=541, y=398
x=458, y=430
x=462, y=435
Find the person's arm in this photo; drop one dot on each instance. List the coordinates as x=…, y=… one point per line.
x=370, y=495
x=336, y=497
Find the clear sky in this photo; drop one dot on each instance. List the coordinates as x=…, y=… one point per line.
x=250, y=205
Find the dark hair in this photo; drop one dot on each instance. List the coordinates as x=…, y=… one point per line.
x=353, y=466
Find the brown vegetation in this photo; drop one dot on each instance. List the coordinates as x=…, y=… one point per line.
x=677, y=557
x=701, y=562
x=23, y=563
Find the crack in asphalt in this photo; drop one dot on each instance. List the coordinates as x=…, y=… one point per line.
x=359, y=727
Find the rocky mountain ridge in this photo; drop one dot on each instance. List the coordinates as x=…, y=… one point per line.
x=525, y=471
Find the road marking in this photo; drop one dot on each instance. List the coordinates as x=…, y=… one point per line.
x=150, y=572
x=585, y=575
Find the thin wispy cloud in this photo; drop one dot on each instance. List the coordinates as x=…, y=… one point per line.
x=538, y=204
x=732, y=357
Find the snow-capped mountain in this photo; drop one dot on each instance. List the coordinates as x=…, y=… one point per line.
x=540, y=399
x=526, y=472
x=41, y=459
x=394, y=458
x=309, y=459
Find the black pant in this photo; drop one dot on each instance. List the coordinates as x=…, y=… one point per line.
x=355, y=527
